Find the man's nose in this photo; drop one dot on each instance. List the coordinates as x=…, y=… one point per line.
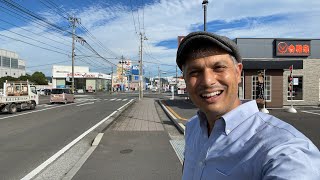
x=209, y=77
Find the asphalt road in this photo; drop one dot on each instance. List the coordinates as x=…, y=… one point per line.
x=29, y=138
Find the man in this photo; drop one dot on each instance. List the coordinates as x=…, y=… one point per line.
x=230, y=140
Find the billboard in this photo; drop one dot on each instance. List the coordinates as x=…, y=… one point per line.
x=293, y=48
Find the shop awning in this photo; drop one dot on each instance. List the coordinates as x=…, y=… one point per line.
x=271, y=64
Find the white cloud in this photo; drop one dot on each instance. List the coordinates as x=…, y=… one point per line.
x=167, y=19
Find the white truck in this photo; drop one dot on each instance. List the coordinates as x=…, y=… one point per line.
x=18, y=95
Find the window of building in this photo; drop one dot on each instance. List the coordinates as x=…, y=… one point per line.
x=297, y=92
x=5, y=62
x=257, y=88
x=14, y=63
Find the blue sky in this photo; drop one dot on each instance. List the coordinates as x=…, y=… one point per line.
x=114, y=26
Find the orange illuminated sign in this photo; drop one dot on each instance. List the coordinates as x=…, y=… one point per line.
x=293, y=48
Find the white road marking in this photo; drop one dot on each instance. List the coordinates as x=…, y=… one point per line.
x=85, y=103
x=34, y=172
x=311, y=112
x=118, y=100
x=113, y=99
x=124, y=105
x=124, y=99
x=34, y=111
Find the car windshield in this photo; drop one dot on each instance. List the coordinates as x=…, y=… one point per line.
x=57, y=91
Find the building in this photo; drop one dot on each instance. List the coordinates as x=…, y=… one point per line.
x=274, y=56
x=11, y=64
x=83, y=79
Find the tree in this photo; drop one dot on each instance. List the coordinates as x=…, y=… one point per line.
x=39, y=78
x=25, y=78
x=3, y=79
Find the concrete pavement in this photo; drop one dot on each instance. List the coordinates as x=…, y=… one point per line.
x=136, y=146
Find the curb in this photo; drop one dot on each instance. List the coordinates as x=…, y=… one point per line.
x=174, y=119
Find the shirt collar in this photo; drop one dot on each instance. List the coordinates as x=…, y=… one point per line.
x=233, y=118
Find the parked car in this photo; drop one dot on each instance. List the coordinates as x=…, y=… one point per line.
x=61, y=95
x=154, y=89
x=47, y=91
x=40, y=91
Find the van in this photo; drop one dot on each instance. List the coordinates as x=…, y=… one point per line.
x=61, y=95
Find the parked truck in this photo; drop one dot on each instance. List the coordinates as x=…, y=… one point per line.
x=18, y=95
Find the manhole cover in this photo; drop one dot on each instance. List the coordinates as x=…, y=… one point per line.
x=126, y=151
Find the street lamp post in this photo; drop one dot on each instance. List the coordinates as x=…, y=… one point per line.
x=204, y=4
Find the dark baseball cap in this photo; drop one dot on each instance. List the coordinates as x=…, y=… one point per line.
x=193, y=40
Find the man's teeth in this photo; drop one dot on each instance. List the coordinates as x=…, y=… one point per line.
x=211, y=94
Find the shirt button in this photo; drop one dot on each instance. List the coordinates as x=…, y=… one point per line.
x=201, y=163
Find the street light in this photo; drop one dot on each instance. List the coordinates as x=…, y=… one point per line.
x=204, y=4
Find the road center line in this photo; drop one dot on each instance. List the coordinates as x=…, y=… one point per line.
x=34, y=111
x=85, y=103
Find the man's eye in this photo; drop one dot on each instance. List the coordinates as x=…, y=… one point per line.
x=192, y=73
x=220, y=68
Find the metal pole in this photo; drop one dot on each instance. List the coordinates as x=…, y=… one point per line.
x=204, y=3
x=140, y=72
x=159, y=79
x=121, y=71
x=111, y=78
x=73, y=54
x=291, y=93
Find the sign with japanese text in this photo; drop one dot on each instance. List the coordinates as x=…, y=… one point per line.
x=293, y=47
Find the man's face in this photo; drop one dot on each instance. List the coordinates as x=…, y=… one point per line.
x=212, y=83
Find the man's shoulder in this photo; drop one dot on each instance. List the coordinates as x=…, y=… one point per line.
x=276, y=126
x=193, y=121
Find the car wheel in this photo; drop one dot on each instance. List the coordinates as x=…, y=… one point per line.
x=65, y=101
x=12, y=109
x=32, y=105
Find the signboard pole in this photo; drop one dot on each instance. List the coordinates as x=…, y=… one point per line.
x=264, y=109
x=291, y=109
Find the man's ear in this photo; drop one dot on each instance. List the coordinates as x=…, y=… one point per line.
x=239, y=68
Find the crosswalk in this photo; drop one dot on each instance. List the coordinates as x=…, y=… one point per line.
x=88, y=101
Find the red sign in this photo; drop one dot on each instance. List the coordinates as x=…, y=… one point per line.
x=292, y=47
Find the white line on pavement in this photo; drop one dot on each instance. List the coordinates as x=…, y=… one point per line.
x=124, y=99
x=85, y=103
x=124, y=105
x=118, y=100
x=113, y=99
x=311, y=112
x=64, y=149
x=34, y=111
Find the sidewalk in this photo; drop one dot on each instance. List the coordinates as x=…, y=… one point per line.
x=136, y=146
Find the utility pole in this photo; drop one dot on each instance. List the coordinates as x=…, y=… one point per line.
x=111, y=78
x=73, y=21
x=122, y=71
x=142, y=37
x=204, y=4
x=159, y=79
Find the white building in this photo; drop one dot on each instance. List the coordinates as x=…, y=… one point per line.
x=11, y=65
x=83, y=78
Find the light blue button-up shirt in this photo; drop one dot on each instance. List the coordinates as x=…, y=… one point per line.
x=247, y=144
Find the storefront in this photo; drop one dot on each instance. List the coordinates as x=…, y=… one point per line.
x=84, y=80
x=271, y=59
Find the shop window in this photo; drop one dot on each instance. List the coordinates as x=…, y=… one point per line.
x=257, y=88
x=297, y=92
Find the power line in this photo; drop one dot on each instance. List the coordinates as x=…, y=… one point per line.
x=34, y=45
